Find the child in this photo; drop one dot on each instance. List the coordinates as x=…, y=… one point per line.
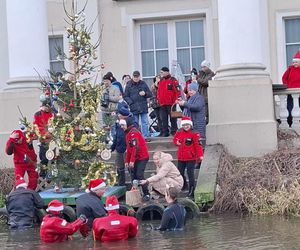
x=189, y=151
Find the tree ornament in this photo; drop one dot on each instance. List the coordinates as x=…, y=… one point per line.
x=102, y=66
x=49, y=155
x=77, y=163
x=50, y=129
x=42, y=98
x=55, y=98
x=72, y=105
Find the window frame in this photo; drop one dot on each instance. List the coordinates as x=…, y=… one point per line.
x=281, y=45
x=134, y=39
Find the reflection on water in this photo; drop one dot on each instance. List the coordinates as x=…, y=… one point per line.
x=208, y=232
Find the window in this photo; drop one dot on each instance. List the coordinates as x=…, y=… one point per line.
x=163, y=42
x=56, y=47
x=292, y=38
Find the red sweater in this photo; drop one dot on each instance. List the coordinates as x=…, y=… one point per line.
x=115, y=227
x=291, y=77
x=190, y=148
x=168, y=91
x=136, y=147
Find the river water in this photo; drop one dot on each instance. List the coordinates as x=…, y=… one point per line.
x=208, y=232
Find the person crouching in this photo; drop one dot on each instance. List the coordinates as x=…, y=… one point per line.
x=56, y=229
x=114, y=227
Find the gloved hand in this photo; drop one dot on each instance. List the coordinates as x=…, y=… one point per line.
x=83, y=218
x=84, y=230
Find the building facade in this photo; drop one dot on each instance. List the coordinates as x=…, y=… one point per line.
x=143, y=35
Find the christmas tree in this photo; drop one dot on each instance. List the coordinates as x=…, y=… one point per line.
x=76, y=140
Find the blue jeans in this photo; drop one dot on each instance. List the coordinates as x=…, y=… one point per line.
x=145, y=123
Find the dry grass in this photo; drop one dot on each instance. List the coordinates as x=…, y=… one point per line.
x=266, y=185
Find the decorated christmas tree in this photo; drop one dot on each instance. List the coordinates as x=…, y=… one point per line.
x=76, y=140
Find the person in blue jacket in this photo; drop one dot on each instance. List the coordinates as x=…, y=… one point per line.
x=136, y=94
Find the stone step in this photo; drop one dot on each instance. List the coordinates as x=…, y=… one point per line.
x=173, y=152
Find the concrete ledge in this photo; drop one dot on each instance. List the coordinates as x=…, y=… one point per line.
x=207, y=178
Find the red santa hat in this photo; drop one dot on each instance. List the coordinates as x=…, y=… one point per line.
x=19, y=133
x=112, y=203
x=96, y=184
x=297, y=56
x=21, y=183
x=55, y=207
x=186, y=120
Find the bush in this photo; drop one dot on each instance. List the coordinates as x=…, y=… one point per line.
x=7, y=181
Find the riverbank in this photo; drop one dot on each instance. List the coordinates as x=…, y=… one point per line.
x=265, y=185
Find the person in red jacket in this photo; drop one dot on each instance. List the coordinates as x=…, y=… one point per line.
x=41, y=119
x=137, y=155
x=24, y=157
x=114, y=226
x=56, y=229
x=189, y=152
x=291, y=78
x=167, y=93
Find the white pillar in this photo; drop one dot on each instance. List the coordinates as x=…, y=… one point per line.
x=28, y=48
x=240, y=98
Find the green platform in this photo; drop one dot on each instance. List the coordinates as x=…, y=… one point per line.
x=68, y=196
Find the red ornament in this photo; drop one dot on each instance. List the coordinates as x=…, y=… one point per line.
x=56, y=92
x=72, y=105
x=47, y=92
x=65, y=109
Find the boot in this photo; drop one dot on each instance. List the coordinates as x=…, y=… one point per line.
x=191, y=192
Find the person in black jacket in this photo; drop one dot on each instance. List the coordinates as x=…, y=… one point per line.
x=90, y=204
x=174, y=215
x=21, y=205
x=136, y=94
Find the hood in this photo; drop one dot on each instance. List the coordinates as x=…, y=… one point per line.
x=165, y=158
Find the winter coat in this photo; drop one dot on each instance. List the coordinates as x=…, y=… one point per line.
x=21, y=205
x=114, y=94
x=153, y=100
x=136, y=147
x=168, y=91
x=138, y=104
x=166, y=173
x=115, y=227
x=24, y=154
x=202, y=80
x=195, y=108
x=56, y=229
x=41, y=119
x=119, y=141
x=291, y=77
x=189, y=147
x=91, y=206
x=173, y=217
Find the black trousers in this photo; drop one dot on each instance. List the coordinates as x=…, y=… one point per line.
x=189, y=166
x=290, y=106
x=165, y=112
x=137, y=173
x=159, y=122
x=120, y=168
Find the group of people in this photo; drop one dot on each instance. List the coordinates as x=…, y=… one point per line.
x=105, y=222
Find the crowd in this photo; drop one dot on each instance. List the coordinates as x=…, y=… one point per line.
x=131, y=101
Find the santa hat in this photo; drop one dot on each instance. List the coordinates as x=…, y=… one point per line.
x=297, y=57
x=21, y=183
x=186, y=120
x=55, y=207
x=112, y=203
x=96, y=184
x=19, y=133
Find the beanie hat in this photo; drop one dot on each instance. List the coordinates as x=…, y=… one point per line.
x=96, y=184
x=165, y=69
x=123, y=111
x=186, y=120
x=112, y=203
x=193, y=86
x=129, y=121
x=297, y=57
x=122, y=122
x=21, y=183
x=205, y=64
x=55, y=207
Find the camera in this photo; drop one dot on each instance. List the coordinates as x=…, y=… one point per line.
x=105, y=100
